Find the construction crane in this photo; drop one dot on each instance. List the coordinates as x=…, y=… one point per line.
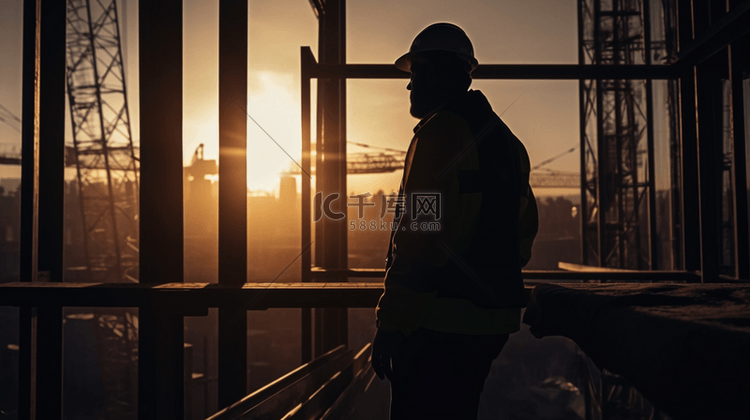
x=9, y=153
x=542, y=177
x=391, y=160
x=102, y=150
x=106, y=162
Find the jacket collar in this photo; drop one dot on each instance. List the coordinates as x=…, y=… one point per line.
x=472, y=102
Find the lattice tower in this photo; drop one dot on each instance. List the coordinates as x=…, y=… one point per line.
x=102, y=151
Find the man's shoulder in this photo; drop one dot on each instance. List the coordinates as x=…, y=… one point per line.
x=443, y=124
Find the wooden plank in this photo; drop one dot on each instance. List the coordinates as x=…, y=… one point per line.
x=318, y=273
x=240, y=407
x=588, y=268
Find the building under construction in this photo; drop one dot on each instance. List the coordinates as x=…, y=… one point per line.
x=654, y=306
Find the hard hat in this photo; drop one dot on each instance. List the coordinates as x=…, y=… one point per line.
x=440, y=37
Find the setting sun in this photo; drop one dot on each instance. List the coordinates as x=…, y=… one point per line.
x=273, y=132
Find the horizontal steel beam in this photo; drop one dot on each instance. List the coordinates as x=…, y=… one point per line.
x=502, y=71
x=594, y=273
x=192, y=298
x=195, y=298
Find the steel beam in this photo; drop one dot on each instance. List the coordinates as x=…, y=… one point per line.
x=233, y=44
x=582, y=129
x=29, y=200
x=740, y=63
x=331, y=326
x=689, y=147
x=708, y=90
x=652, y=232
x=30, y=139
x=506, y=71
x=51, y=145
x=306, y=60
x=43, y=125
x=194, y=298
x=160, y=364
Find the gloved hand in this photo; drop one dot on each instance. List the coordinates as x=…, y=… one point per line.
x=385, y=346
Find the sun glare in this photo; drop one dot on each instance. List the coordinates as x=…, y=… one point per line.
x=273, y=131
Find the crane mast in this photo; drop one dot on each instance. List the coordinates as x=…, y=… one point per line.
x=102, y=151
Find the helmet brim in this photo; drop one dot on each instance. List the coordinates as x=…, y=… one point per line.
x=404, y=63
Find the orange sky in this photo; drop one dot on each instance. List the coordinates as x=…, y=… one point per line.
x=545, y=116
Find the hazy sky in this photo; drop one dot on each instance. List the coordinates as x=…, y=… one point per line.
x=544, y=116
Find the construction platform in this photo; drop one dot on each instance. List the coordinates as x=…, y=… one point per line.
x=685, y=347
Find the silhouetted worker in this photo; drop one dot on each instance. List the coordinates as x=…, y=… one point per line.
x=465, y=221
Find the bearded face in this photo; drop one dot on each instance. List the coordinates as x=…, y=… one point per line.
x=433, y=84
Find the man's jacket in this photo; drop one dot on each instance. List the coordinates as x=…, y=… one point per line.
x=464, y=227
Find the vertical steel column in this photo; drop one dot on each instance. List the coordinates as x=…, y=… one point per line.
x=582, y=128
x=30, y=139
x=341, y=152
x=652, y=236
x=29, y=201
x=707, y=88
x=600, y=191
x=331, y=325
x=161, y=378
x=306, y=60
x=161, y=219
x=160, y=365
x=739, y=52
x=589, y=53
x=51, y=143
x=677, y=222
x=321, y=179
x=689, y=146
x=600, y=156
x=708, y=107
x=40, y=370
x=232, y=195
x=321, y=175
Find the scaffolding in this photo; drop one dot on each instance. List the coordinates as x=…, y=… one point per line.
x=617, y=131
